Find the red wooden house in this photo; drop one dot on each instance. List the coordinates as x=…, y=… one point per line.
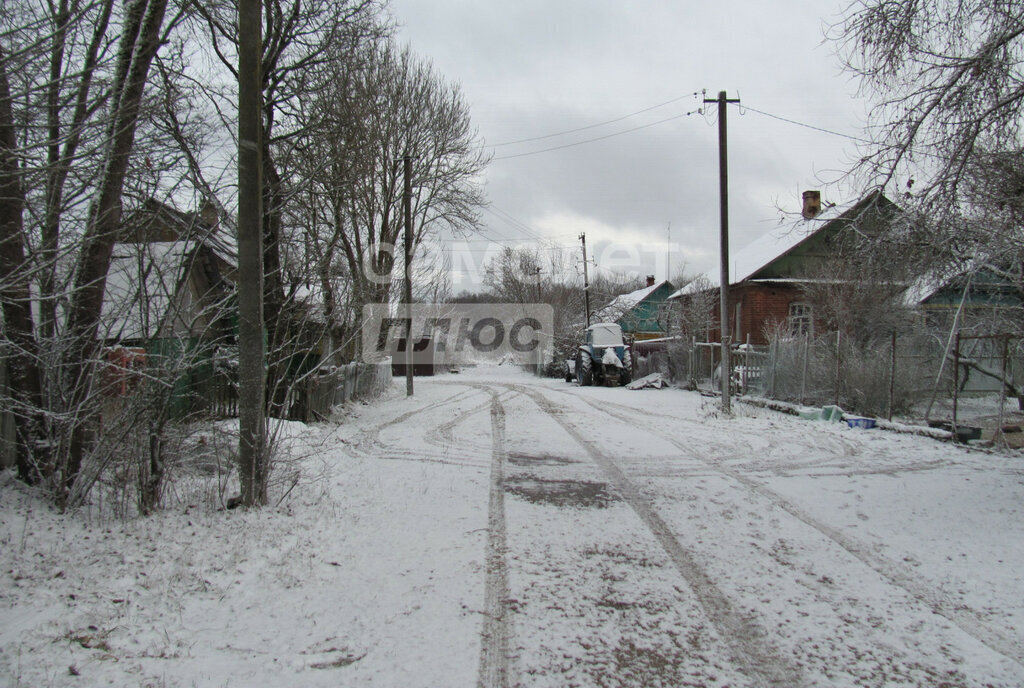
x=767, y=278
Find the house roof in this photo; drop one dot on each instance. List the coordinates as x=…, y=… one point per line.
x=626, y=302
x=217, y=233
x=976, y=285
x=746, y=263
x=141, y=284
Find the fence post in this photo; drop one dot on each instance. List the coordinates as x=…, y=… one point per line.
x=746, y=364
x=1002, y=390
x=839, y=345
x=956, y=378
x=803, y=374
x=892, y=376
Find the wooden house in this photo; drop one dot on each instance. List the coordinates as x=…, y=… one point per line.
x=168, y=298
x=768, y=278
x=642, y=314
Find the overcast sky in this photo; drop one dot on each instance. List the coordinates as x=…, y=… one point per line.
x=531, y=68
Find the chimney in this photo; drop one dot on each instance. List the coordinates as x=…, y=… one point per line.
x=650, y=280
x=812, y=205
x=208, y=214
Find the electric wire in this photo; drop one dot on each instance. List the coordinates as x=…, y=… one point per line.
x=805, y=125
x=594, y=126
x=597, y=138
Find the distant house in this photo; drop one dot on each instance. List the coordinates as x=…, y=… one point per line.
x=169, y=294
x=170, y=277
x=984, y=295
x=642, y=314
x=163, y=290
x=767, y=278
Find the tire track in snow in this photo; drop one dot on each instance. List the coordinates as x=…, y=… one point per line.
x=443, y=435
x=494, y=665
x=966, y=619
x=371, y=436
x=749, y=642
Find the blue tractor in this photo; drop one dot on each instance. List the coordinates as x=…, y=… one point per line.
x=603, y=358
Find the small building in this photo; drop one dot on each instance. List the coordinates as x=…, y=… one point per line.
x=983, y=294
x=642, y=314
x=768, y=278
x=168, y=301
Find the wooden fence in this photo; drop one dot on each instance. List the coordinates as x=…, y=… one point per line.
x=309, y=399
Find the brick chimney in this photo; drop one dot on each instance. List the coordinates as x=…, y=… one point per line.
x=208, y=213
x=812, y=205
x=650, y=280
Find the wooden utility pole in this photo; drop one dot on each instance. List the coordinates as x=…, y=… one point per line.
x=407, y=211
x=251, y=359
x=723, y=187
x=586, y=282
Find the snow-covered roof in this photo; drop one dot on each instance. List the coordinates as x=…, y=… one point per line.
x=626, y=302
x=751, y=259
x=141, y=284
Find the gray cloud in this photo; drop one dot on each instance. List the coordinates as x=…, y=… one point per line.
x=535, y=67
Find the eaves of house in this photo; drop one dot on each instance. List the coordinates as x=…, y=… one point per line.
x=793, y=252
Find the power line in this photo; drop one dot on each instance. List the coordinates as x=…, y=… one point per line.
x=803, y=124
x=598, y=138
x=515, y=223
x=599, y=124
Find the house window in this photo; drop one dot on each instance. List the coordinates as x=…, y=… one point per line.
x=801, y=321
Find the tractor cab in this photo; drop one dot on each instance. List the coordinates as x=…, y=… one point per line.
x=603, y=358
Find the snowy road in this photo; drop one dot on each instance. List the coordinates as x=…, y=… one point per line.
x=500, y=530
x=640, y=540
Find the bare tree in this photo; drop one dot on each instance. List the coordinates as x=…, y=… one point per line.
x=696, y=310
x=514, y=275
x=15, y=294
x=540, y=274
x=69, y=134
x=140, y=39
x=859, y=291
x=383, y=105
x=947, y=121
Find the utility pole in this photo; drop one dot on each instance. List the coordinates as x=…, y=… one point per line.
x=723, y=186
x=252, y=458
x=407, y=209
x=586, y=282
x=668, y=252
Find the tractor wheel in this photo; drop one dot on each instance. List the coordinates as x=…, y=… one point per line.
x=586, y=373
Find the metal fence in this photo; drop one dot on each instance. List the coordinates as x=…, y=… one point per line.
x=881, y=379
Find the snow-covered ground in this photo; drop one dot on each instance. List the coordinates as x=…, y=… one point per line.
x=500, y=530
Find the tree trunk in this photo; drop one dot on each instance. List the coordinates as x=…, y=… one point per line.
x=140, y=40
x=23, y=363
x=276, y=317
x=59, y=163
